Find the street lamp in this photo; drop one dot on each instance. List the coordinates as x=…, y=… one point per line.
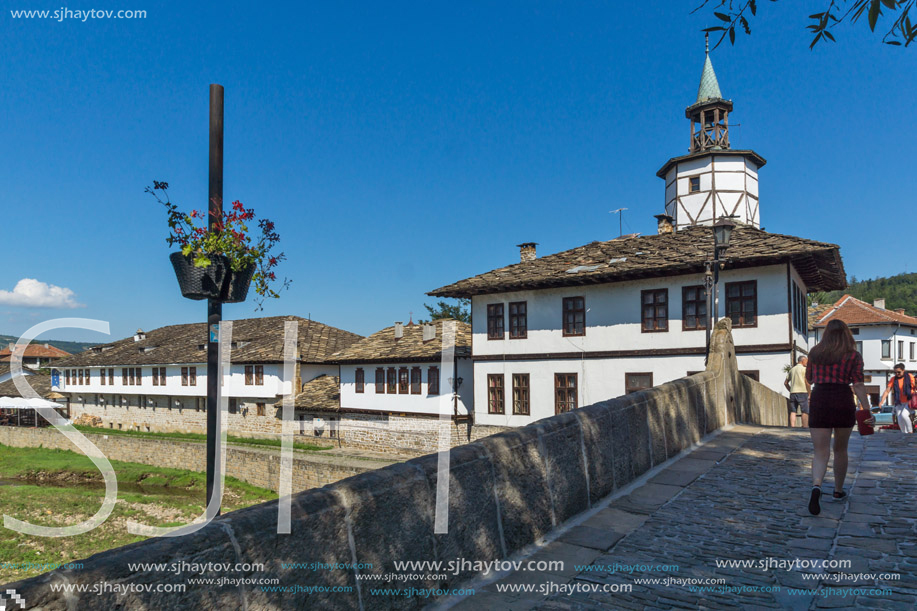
x=722, y=233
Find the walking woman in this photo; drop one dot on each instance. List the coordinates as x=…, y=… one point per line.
x=834, y=364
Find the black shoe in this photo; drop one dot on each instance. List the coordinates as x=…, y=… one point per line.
x=814, y=507
x=840, y=496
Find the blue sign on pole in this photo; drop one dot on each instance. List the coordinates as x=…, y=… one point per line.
x=215, y=333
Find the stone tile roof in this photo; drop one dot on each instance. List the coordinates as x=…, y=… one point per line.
x=40, y=382
x=816, y=312
x=682, y=252
x=382, y=347
x=323, y=393
x=45, y=351
x=255, y=340
x=856, y=312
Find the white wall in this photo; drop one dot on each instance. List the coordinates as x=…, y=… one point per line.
x=423, y=403
x=613, y=316
x=728, y=185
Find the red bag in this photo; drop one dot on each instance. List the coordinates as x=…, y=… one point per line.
x=865, y=421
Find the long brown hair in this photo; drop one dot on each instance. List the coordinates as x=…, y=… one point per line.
x=836, y=343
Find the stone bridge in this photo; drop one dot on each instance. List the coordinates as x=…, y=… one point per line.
x=687, y=495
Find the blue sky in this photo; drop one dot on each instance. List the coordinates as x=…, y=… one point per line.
x=401, y=146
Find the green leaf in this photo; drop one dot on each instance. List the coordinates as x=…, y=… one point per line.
x=722, y=16
x=874, y=10
x=186, y=250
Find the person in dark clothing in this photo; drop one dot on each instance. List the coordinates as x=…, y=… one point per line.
x=834, y=364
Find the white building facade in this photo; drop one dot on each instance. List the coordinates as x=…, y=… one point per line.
x=884, y=338
x=574, y=328
x=157, y=381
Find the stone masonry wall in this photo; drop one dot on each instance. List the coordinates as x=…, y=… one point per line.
x=506, y=491
x=256, y=466
x=377, y=432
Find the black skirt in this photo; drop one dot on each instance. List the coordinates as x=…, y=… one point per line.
x=832, y=407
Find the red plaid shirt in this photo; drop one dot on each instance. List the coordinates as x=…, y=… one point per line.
x=849, y=370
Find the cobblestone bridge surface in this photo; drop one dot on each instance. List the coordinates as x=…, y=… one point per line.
x=742, y=497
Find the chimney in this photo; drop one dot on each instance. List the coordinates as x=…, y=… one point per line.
x=527, y=251
x=429, y=332
x=665, y=223
x=139, y=335
x=900, y=310
x=399, y=330
x=879, y=303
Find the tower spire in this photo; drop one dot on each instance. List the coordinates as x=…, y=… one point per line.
x=710, y=112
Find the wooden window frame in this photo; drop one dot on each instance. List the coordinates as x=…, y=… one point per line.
x=162, y=376
x=249, y=375
x=433, y=381
x=573, y=312
x=859, y=346
x=359, y=380
x=111, y=376
x=701, y=321
x=155, y=376
x=522, y=405
x=692, y=180
x=260, y=409
x=886, y=354
x=566, y=397
x=192, y=376
x=728, y=300
x=629, y=389
x=496, y=394
x=518, y=320
x=391, y=381
x=900, y=350
x=259, y=375
x=380, y=380
x=416, y=380
x=184, y=376
x=102, y=374
x=655, y=293
x=404, y=381
x=495, y=320
x=81, y=378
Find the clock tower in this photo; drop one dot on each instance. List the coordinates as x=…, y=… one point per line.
x=713, y=180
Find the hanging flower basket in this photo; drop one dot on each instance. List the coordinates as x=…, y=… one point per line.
x=235, y=286
x=219, y=258
x=200, y=282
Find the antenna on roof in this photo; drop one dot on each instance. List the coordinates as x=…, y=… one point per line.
x=620, y=213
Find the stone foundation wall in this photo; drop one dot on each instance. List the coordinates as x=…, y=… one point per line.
x=506, y=492
x=376, y=432
x=256, y=466
x=382, y=433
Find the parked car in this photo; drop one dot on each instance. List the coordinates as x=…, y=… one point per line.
x=885, y=415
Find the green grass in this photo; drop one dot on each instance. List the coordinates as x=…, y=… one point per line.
x=148, y=495
x=253, y=441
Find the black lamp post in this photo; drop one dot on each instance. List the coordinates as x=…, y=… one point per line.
x=722, y=233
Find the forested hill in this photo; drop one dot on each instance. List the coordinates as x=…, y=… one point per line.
x=899, y=292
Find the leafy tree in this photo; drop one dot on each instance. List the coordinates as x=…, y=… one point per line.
x=898, y=291
x=442, y=309
x=735, y=14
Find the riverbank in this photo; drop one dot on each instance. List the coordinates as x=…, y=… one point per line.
x=58, y=487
